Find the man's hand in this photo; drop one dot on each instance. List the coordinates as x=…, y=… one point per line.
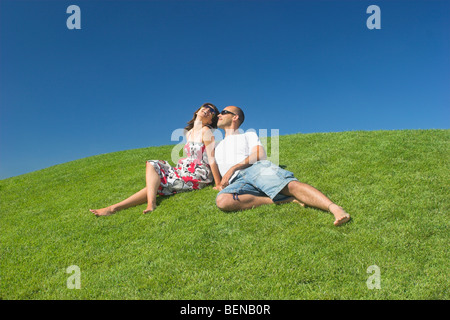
x=218, y=188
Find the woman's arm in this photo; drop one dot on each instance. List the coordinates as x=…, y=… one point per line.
x=209, y=141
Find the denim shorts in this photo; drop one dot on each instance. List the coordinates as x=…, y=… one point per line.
x=263, y=178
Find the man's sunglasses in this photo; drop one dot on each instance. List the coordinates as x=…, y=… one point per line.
x=224, y=112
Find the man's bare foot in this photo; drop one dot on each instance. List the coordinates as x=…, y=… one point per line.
x=103, y=212
x=339, y=213
x=150, y=208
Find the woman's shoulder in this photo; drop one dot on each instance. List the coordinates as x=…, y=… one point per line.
x=207, y=134
x=207, y=130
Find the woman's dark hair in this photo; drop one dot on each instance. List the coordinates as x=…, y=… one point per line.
x=214, y=119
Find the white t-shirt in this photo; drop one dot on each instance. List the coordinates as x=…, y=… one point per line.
x=234, y=149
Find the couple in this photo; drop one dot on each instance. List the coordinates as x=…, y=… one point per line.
x=237, y=165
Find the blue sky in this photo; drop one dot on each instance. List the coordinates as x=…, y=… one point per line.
x=136, y=71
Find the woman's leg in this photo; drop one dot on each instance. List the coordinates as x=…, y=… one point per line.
x=136, y=199
x=148, y=194
x=153, y=182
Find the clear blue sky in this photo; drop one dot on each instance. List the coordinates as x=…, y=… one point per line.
x=136, y=71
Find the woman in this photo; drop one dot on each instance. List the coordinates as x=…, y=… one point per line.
x=195, y=171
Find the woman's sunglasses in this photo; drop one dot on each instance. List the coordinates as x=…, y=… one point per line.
x=224, y=112
x=210, y=109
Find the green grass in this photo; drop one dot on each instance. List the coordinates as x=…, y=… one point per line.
x=395, y=184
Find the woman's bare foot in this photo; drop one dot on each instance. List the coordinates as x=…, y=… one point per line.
x=103, y=212
x=298, y=202
x=339, y=213
x=289, y=200
x=150, y=208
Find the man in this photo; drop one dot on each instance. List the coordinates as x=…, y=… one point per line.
x=249, y=180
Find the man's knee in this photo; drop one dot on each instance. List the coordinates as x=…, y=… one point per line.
x=224, y=202
x=292, y=187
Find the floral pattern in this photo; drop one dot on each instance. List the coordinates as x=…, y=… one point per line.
x=191, y=173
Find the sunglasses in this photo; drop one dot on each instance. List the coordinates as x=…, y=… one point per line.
x=224, y=112
x=210, y=109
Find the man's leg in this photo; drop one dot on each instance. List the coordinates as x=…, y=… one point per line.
x=228, y=201
x=312, y=197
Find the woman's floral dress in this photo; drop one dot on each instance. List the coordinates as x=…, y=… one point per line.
x=191, y=173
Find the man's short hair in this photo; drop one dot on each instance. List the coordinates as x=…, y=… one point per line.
x=241, y=115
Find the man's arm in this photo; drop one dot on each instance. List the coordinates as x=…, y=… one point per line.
x=258, y=153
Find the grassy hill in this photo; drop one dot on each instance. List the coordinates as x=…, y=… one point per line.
x=395, y=184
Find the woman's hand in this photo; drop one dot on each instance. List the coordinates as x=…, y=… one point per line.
x=226, y=178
